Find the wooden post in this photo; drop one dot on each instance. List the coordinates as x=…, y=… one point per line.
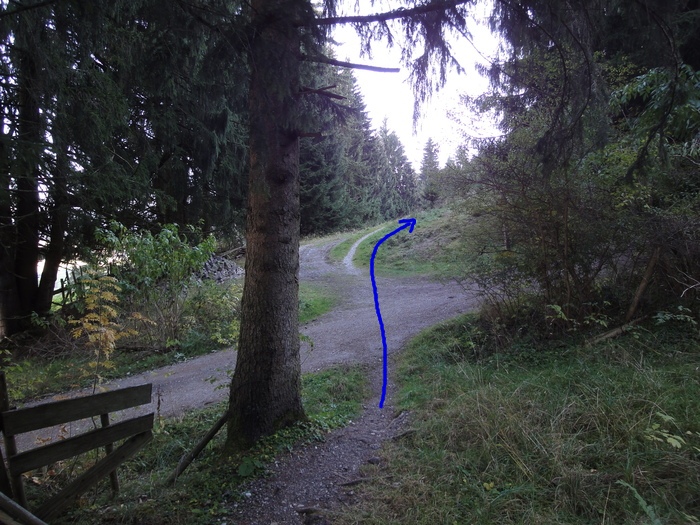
x=136, y=431
x=11, y=447
x=109, y=448
x=5, y=486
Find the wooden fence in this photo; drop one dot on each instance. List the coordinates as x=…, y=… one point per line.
x=69, y=288
x=136, y=432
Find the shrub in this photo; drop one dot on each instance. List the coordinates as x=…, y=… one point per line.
x=155, y=275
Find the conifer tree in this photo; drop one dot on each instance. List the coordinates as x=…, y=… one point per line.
x=429, y=173
x=582, y=179
x=265, y=389
x=112, y=111
x=401, y=196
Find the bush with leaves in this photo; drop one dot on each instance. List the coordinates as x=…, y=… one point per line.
x=212, y=312
x=155, y=274
x=99, y=325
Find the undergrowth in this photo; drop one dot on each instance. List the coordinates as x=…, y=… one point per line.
x=54, y=362
x=605, y=434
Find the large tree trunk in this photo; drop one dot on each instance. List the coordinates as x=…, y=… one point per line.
x=53, y=255
x=8, y=297
x=266, y=386
x=27, y=176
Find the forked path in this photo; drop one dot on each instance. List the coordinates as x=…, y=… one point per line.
x=312, y=484
x=348, y=334
x=309, y=483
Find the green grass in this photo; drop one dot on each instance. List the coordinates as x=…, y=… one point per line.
x=37, y=377
x=205, y=490
x=341, y=249
x=314, y=301
x=608, y=434
x=40, y=376
x=428, y=250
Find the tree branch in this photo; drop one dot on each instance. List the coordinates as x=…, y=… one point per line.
x=615, y=332
x=21, y=8
x=321, y=91
x=325, y=60
x=391, y=15
x=646, y=278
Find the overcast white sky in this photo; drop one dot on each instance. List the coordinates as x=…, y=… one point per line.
x=388, y=95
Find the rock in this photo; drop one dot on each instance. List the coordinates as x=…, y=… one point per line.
x=220, y=270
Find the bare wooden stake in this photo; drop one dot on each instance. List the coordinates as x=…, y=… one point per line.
x=190, y=456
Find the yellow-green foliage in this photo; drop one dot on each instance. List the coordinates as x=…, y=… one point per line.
x=214, y=309
x=98, y=325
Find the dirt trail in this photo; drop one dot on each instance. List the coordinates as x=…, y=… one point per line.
x=312, y=483
x=307, y=484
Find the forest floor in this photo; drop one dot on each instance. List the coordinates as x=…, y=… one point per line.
x=310, y=483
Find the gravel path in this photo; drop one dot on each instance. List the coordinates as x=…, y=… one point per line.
x=311, y=484
x=308, y=485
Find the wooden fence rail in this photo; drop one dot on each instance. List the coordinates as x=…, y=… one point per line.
x=136, y=432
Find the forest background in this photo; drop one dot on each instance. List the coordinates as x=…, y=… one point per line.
x=126, y=130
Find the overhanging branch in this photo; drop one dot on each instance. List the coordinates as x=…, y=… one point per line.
x=391, y=15
x=20, y=8
x=340, y=63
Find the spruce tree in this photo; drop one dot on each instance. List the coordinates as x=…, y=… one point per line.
x=265, y=390
x=429, y=173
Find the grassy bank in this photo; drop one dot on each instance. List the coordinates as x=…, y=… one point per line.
x=607, y=434
x=212, y=483
x=341, y=249
x=428, y=250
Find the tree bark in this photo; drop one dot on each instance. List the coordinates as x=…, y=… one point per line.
x=8, y=297
x=27, y=177
x=266, y=387
x=53, y=256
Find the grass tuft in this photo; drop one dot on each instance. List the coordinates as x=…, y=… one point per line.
x=314, y=301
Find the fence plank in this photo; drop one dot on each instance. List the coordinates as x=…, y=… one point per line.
x=31, y=459
x=102, y=468
x=16, y=513
x=59, y=412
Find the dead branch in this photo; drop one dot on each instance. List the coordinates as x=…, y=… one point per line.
x=190, y=456
x=322, y=91
x=390, y=15
x=234, y=252
x=340, y=63
x=615, y=332
x=693, y=282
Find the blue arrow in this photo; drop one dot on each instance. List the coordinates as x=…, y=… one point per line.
x=406, y=223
